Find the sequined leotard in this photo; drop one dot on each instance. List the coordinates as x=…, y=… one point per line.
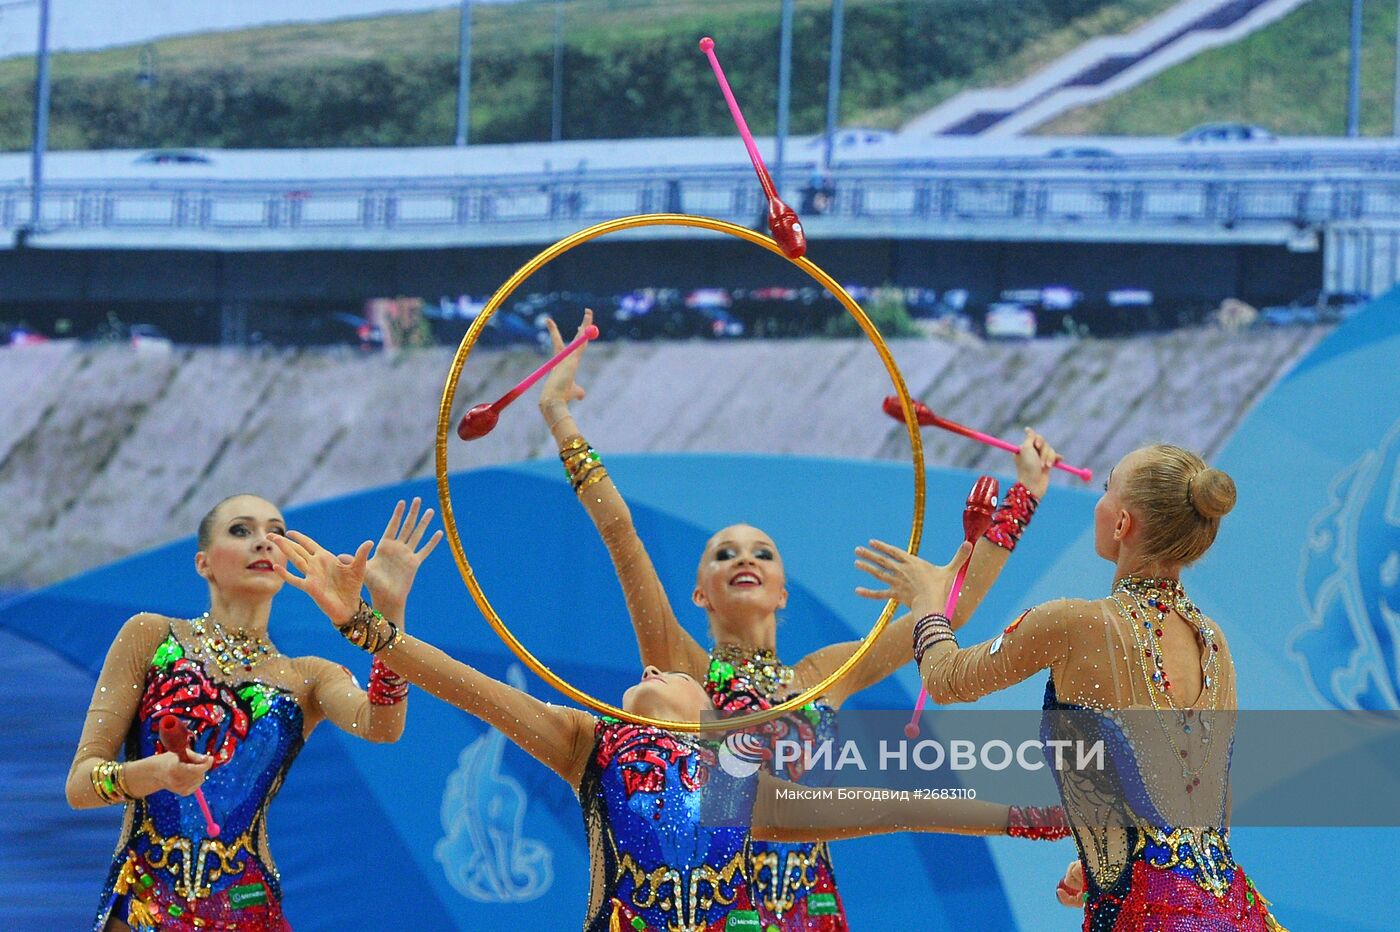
x=657, y=865
x=1152, y=825
x=794, y=885
x=167, y=872
x=1147, y=864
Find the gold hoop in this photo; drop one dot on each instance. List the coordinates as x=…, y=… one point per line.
x=449, y=519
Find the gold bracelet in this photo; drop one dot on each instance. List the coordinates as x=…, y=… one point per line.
x=587, y=466
x=571, y=446
x=583, y=475
x=597, y=475
x=107, y=783
x=96, y=777
x=369, y=630
x=577, y=459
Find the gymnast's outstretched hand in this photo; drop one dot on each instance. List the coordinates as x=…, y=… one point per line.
x=389, y=573
x=559, y=387
x=333, y=584
x=912, y=581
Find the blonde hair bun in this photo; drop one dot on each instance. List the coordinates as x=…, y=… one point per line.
x=1179, y=500
x=1212, y=493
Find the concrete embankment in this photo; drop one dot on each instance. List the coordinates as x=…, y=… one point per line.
x=107, y=450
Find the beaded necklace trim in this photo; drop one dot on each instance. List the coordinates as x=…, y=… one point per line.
x=1144, y=597
x=759, y=665
x=230, y=652
x=1136, y=598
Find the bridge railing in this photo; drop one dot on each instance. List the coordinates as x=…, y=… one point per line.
x=406, y=205
x=1263, y=157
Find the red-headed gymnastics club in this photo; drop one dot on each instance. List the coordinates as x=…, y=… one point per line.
x=977, y=517
x=175, y=738
x=927, y=418
x=481, y=419
x=782, y=219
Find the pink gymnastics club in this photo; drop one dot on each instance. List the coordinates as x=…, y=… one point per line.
x=782, y=219
x=927, y=418
x=481, y=419
x=977, y=516
x=175, y=738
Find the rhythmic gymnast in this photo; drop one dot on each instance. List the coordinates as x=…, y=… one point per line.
x=740, y=585
x=1152, y=828
x=250, y=708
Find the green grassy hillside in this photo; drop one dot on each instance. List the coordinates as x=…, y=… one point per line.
x=1290, y=76
x=631, y=69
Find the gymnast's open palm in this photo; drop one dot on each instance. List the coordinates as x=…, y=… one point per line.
x=559, y=386
x=333, y=584
x=390, y=572
x=910, y=580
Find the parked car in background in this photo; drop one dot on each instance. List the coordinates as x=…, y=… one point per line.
x=851, y=139
x=20, y=335
x=635, y=304
x=173, y=157
x=639, y=315
x=1129, y=297
x=922, y=302
x=1339, y=305
x=676, y=321
x=710, y=308
x=1313, y=307
x=507, y=327
x=954, y=300
x=1048, y=298
x=355, y=330
x=656, y=322
x=285, y=327
x=1288, y=315
x=519, y=329
x=1060, y=298
x=1007, y=320
x=138, y=336
x=709, y=298
x=1090, y=156
x=720, y=322
x=1226, y=132
x=777, y=293
x=148, y=338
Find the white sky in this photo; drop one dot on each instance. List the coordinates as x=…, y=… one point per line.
x=90, y=24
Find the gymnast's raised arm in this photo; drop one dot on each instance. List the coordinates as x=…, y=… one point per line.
x=661, y=639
